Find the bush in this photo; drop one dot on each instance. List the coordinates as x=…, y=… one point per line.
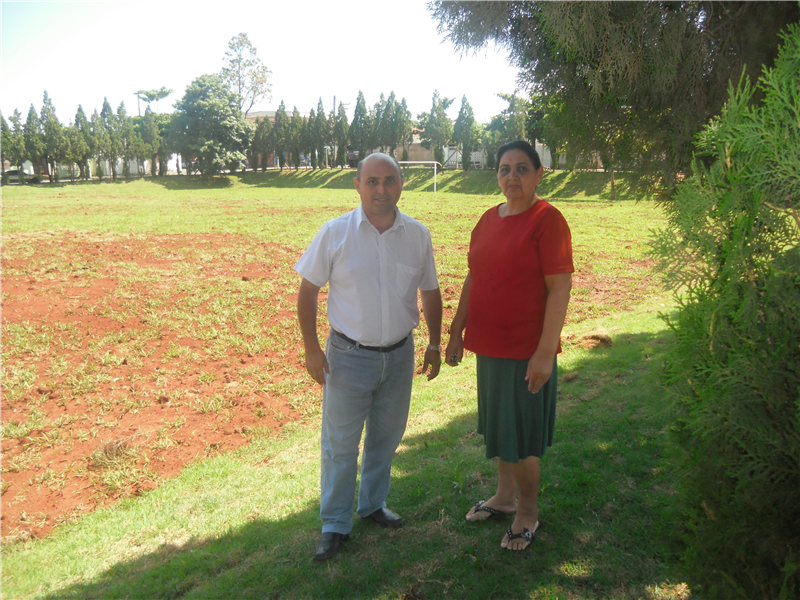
x=732, y=251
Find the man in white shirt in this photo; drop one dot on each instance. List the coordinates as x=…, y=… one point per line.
x=374, y=259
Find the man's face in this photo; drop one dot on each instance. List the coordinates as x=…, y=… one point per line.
x=379, y=187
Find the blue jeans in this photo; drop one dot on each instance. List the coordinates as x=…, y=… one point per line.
x=363, y=387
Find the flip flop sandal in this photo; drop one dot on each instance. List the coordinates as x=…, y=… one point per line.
x=493, y=512
x=526, y=534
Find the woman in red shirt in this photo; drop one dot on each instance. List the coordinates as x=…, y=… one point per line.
x=512, y=306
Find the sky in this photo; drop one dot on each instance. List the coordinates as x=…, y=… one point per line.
x=81, y=52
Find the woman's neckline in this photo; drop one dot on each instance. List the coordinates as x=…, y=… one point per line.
x=504, y=216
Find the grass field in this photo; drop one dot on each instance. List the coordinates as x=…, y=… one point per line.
x=160, y=436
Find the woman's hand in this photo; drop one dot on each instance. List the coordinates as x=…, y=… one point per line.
x=455, y=350
x=540, y=368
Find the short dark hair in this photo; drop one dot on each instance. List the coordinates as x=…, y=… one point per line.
x=519, y=145
x=389, y=156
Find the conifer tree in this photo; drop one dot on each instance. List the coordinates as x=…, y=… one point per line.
x=732, y=252
x=358, y=132
x=463, y=132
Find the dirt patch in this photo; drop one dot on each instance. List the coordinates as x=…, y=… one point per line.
x=127, y=357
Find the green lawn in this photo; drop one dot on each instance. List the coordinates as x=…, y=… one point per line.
x=244, y=525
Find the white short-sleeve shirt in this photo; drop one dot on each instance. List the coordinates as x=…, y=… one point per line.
x=373, y=277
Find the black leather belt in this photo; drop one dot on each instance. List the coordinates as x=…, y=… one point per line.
x=372, y=348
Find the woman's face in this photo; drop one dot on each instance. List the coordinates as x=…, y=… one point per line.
x=516, y=176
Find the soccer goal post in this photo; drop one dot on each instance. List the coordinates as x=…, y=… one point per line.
x=424, y=162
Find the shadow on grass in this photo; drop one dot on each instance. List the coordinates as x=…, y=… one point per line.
x=577, y=184
x=603, y=498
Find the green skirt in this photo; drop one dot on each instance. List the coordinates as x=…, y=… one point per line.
x=515, y=423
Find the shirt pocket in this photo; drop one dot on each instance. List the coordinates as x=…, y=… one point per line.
x=408, y=279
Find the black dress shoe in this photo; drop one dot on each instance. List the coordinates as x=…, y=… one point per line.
x=386, y=518
x=329, y=545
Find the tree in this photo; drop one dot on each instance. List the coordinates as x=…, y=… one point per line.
x=731, y=251
x=659, y=67
x=151, y=138
x=132, y=147
x=309, y=138
x=102, y=140
x=85, y=149
x=151, y=96
x=542, y=124
x=294, y=138
x=463, y=132
x=280, y=133
x=208, y=128
x=5, y=143
x=35, y=148
x=359, y=132
x=380, y=120
x=341, y=133
x=437, y=127
x=52, y=135
x=13, y=142
x=403, y=131
x=322, y=134
x=245, y=74
x=263, y=142
x=113, y=146
x=76, y=148
x=164, y=150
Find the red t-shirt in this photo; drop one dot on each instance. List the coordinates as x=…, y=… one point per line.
x=508, y=259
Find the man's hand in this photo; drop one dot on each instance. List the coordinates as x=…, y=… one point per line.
x=433, y=359
x=317, y=365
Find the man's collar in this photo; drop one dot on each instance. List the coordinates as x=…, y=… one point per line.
x=398, y=218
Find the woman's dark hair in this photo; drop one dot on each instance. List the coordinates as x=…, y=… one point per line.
x=518, y=145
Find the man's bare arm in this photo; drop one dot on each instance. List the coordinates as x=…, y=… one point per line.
x=316, y=363
x=432, y=310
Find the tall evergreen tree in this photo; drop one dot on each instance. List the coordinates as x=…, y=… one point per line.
x=437, y=127
x=165, y=150
x=53, y=136
x=6, y=141
x=113, y=148
x=13, y=142
x=151, y=138
x=85, y=150
x=358, y=132
x=102, y=141
x=309, y=137
x=294, y=139
x=130, y=141
x=35, y=148
x=322, y=133
x=341, y=134
x=463, y=132
x=281, y=133
x=76, y=148
x=264, y=141
x=404, y=127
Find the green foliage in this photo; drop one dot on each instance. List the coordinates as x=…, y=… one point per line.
x=33, y=140
x=653, y=71
x=245, y=74
x=437, y=128
x=733, y=252
x=208, y=130
x=359, y=131
x=463, y=132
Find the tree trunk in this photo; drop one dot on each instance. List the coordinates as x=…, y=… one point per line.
x=613, y=193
